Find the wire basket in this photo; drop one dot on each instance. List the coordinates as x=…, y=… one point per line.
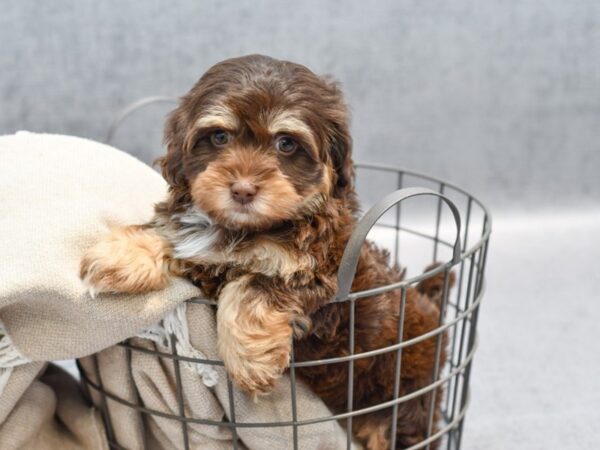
x=419, y=222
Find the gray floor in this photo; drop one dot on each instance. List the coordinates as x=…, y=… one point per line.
x=536, y=378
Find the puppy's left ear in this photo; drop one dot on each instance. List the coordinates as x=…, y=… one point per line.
x=341, y=158
x=340, y=141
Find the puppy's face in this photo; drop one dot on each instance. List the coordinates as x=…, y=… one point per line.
x=259, y=141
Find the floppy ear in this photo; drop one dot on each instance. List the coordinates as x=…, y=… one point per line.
x=341, y=158
x=171, y=164
x=340, y=141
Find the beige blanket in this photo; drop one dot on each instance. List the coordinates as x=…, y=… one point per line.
x=58, y=194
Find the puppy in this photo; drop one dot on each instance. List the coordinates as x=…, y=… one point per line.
x=261, y=204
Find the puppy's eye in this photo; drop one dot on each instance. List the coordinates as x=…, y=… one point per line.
x=286, y=145
x=219, y=138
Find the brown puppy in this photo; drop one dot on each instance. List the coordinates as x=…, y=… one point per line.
x=260, y=207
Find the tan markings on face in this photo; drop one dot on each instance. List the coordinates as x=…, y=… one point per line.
x=218, y=116
x=287, y=122
x=128, y=260
x=254, y=338
x=326, y=185
x=316, y=197
x=327, y=181
x=276, y=198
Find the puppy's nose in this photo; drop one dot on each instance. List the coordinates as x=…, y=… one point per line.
x=243, y=192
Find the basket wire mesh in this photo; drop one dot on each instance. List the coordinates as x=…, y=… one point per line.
x=466, y=254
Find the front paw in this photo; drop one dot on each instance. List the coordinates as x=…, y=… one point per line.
x=301, y=325
x=129, y=260
x=433, y=287
x=254, y=338
x=252, y=370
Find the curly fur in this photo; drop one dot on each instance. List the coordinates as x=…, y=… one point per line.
x=272, y=264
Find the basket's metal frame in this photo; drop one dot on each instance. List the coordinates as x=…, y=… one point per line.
x=470, y=262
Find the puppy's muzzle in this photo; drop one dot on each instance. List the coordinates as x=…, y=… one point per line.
x=243, y=192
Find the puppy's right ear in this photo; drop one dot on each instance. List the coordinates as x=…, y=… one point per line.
x=171, y=164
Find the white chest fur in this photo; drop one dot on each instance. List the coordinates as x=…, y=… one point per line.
x=196, y=238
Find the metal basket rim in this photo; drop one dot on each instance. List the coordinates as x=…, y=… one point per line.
x=393, y=168
x=458, y=370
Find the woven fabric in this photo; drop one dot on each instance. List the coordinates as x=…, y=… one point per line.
x=58, y=195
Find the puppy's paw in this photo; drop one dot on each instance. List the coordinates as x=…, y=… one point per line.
x=128, y=260
x=253, y=371
x=433, y=287
x=254, y=338
x=301, y=326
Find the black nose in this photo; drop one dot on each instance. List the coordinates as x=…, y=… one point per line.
x=243, y=192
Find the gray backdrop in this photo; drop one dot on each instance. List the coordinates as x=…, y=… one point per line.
x=500, y=97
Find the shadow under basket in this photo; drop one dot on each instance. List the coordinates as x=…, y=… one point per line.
x=419, y=219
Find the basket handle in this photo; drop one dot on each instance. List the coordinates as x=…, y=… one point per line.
x=349, y=261
x=130, y=109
